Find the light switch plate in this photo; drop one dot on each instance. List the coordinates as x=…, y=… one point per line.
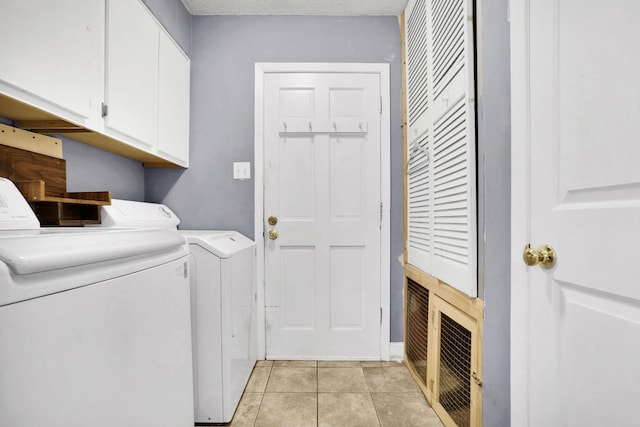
x=241, y=170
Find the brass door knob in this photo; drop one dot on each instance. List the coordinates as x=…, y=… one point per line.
x=273, y=234
x=544, y=255
x=272, y=220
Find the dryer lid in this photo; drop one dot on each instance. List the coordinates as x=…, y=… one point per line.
x=133, y=214
x=221, y=243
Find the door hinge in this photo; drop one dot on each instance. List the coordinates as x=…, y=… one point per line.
x=105, y=110
x=476, y=379
x=381, y=213
x=381, y=315
x=380, y=103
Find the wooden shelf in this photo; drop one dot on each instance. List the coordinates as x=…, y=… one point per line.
x=35, y=191
x=42, y=181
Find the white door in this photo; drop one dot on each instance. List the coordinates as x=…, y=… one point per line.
x=322, y=178
x=575, y=355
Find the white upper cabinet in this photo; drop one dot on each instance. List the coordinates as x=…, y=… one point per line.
x=132, y=72
x=105, y=70
x=147, y=83
x=54, y=56
x=174, y=74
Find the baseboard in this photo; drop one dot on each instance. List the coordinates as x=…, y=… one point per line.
x=396, y=351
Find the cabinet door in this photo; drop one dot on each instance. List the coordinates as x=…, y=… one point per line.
x=53, y=58
x=132, y=67
x=441, y=181
x=173, y=102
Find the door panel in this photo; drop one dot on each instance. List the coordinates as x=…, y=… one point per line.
x=347, y=288
x=346, y=178
x=576, y=326
x=297, y=188
x=322, y=182
x=297, y=298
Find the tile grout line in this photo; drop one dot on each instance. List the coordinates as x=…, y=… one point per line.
x=375, y=408
x=264, y=391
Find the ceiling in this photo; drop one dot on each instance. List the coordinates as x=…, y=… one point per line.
x=296, y=7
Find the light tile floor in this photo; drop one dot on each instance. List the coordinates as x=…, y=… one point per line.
x=328, y=394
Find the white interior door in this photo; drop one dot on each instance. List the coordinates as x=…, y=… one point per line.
x=322, y=181
x=576, y=186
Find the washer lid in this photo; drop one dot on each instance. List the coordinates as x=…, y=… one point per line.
x=26, y=254
x=221, y=243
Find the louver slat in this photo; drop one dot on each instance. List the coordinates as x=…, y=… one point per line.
x=450, y=186
x=419, y=214
x=417, y=62
x=448, y=42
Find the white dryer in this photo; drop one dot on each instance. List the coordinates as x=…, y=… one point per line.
x=223, y=320
x=223, y=310
x=94, y=324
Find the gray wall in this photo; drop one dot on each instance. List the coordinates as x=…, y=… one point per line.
x=175, y=18
x=223, y=53
x=494, y=176
x=92, y=169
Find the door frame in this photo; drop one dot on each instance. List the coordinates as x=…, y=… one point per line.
x=385, y=185
x=520, y=209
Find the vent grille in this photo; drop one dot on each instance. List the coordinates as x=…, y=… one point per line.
x=417, y=62
x=448, y=41
x=451, y=187
x=419, y=206
x=455, y=370
x=417, y=328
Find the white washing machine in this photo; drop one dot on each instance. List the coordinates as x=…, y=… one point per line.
x=94, y=324
x=223, y=310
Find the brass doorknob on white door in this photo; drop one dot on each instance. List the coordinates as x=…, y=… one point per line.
x=273, y=234
x=544, y=255
x=272, y=220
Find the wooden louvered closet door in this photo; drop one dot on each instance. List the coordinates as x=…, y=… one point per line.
x=441, y=161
